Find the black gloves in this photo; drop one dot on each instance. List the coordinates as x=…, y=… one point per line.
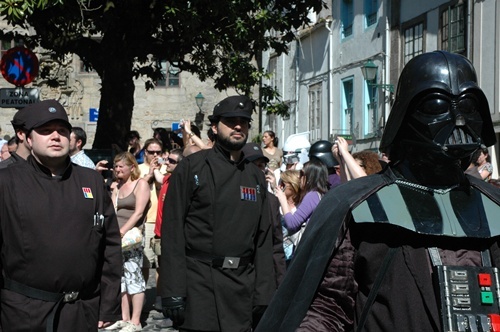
x=173, y=308
x=257, y=313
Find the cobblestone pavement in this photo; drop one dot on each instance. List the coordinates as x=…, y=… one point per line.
x=152, y=319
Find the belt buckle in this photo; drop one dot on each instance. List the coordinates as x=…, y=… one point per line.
x=231, y=263
x=70, y=296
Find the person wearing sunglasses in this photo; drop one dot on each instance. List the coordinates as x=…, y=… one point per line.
x=217, y=252
x=171, y=161
x=153, y=151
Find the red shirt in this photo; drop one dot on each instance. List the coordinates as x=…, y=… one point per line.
x=161, y=200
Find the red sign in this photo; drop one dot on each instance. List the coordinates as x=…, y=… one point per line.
x=19, y=66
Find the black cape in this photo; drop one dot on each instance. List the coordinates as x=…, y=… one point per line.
x=319, y=242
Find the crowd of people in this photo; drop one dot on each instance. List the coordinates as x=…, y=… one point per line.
x=246, y=236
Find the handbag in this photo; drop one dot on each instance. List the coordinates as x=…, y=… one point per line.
x=132, y=239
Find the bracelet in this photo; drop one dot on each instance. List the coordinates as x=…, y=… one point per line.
x=191, y=134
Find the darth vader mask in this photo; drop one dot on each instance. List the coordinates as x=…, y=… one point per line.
x=446, y=123
x=440, y=108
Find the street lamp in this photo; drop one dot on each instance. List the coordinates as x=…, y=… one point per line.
x=369, y=71
x=199, y=100
x=200, y=116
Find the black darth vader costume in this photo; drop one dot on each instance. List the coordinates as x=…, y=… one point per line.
x=386, y=252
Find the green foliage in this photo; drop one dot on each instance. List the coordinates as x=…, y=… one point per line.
x=271, y=102
x=257, y=139
x=216, y=39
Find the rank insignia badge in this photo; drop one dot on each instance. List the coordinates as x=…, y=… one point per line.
x=248, y=194
x=87, y=193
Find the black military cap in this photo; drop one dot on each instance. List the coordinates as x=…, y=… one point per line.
x=252, y=151
x=234, y=106
x=38, y=114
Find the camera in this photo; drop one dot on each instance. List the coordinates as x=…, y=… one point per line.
x=181, y=123
x=161, y=160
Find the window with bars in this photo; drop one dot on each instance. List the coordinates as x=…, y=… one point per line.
x=347, y=114
x=315, y=111
x=347, y=16
x=370, y=12
x=413, y=41
x=453, y=29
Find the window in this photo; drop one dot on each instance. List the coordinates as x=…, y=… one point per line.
x=347, y=16
x=371, y=12
x=347, y=113
x=453, y=29
x=6, y=45
x=86, y=69
x=170, y=75
x=315, y=111
x=371, y=110
x=413, y=42
x=273, y=72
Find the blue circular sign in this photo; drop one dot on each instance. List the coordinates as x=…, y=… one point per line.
x=19, y=66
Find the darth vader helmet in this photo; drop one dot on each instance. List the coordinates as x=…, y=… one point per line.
x=439, y=107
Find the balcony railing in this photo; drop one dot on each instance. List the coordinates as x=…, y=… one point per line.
x=347, y=30
x=371, y=19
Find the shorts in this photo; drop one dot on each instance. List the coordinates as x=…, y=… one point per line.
x=132, y=279
x=150, y=258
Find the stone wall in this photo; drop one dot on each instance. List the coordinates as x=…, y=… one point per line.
x=79, y=91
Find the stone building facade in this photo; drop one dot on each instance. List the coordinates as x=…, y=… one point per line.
x=78, y=90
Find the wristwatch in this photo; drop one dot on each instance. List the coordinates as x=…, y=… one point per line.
x=191, y=134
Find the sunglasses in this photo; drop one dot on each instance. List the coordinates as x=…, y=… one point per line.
x=153, y=152
x=171, y=161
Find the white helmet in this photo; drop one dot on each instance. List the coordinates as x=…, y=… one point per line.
x=295, y=149
x=296, y=142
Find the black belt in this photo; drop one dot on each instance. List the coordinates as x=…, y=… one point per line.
x=219, y=261
x=39, y=294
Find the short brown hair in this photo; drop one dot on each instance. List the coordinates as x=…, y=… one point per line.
x=370, y=161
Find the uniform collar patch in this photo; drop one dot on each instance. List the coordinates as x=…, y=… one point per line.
x=87, y=193
x=248, y=194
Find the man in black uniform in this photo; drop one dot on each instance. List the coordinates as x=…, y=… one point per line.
x=407, y=249
x=60, y=242
x=216, y=262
